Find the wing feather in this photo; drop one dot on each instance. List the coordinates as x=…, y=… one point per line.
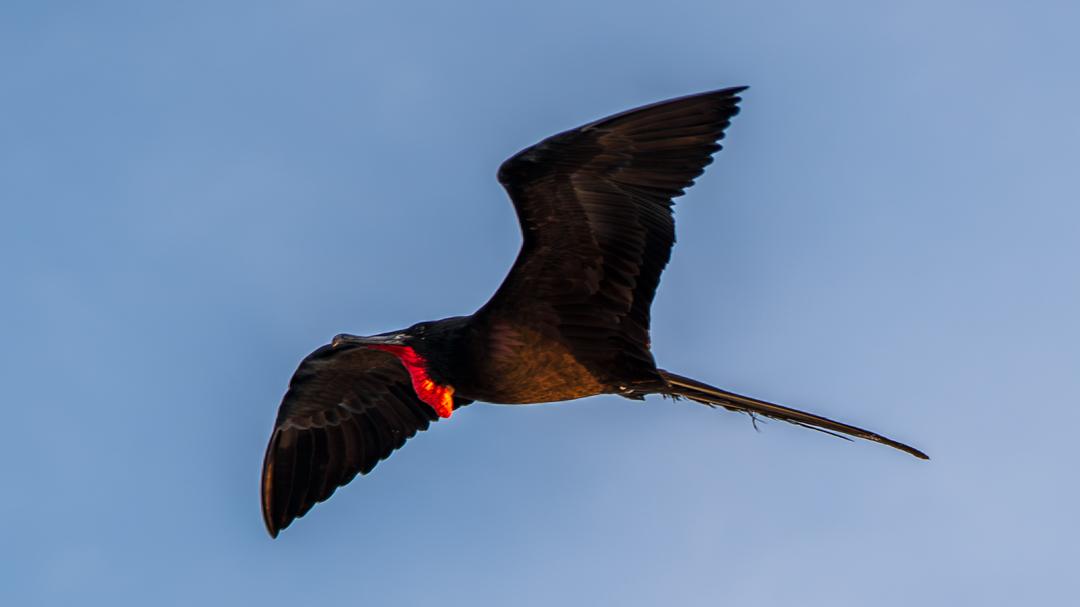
x=346, y=409
x=594, y=204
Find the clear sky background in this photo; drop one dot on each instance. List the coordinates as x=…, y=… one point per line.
x=196, y=195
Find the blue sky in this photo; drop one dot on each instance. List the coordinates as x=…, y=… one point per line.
x=195, y=195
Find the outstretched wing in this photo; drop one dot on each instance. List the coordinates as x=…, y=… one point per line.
x=347, y=408
x=594, y=205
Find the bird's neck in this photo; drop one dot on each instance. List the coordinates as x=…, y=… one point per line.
x=437, y=396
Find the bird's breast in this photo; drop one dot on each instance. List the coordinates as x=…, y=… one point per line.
x=519, y=365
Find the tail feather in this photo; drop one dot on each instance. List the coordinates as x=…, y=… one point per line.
x=709, y=395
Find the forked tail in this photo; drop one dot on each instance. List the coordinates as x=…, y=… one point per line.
x=703, y=393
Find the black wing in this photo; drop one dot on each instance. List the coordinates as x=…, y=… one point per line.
x=346, y=409
x=595, y=210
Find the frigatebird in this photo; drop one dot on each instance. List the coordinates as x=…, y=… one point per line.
x=570, y=320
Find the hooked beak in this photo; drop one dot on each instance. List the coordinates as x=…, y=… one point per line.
x=394, y=338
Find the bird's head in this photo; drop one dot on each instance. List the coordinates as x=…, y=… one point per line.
x=425, y=350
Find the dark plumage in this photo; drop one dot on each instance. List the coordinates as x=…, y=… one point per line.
x=346, y=409
x=570, y=320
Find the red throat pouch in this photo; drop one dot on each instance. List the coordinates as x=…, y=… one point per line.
x=438, y=397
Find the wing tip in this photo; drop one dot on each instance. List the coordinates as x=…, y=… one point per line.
x=268, y=518
x=730, y=93
x=266, y=497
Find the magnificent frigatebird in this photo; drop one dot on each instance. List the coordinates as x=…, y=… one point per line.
x=570, y=320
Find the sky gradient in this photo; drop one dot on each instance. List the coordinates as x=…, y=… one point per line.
x=196, y=195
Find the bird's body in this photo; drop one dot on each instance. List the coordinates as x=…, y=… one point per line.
x=570, y=320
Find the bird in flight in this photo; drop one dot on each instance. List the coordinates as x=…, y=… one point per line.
x=570, y=320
